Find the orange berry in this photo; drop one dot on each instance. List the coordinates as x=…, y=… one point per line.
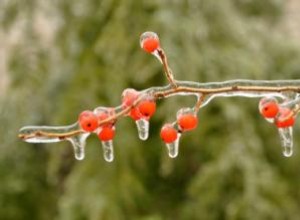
x=149, y=42
x=285, y=118
x=106, y=133
x=187, y=119
x=168, y=133
x=147, y=108
x=88, y=121
x=187, y=122
x=268, y=107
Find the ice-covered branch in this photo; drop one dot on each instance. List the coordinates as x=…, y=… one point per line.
x=280, y=107
x=283, y=89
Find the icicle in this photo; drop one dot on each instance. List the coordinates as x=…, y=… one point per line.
x=143, y=128
x=108, y=150
x=173, y=148
x=78, y=143
x=286, y=138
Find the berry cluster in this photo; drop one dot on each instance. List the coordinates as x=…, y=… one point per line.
x=281, y=116
x=89, y=122
x=186, y=121
x=143, y=109
x=92, y=121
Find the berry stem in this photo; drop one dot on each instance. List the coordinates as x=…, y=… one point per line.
x=199, y=103
x=167, y=69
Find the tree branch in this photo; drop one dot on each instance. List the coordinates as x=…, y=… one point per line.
x=245, y=88
x=286, y=90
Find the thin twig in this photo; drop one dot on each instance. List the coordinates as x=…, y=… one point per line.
x=167, y=69
x=199, y=103
x=40, y=133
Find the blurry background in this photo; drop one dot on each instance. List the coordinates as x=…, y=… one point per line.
x=58, y=58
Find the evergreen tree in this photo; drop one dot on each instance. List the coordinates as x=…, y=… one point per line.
x=76, y=55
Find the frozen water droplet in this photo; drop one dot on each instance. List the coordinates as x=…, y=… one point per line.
x=143, y=128
x=108, y=150
x=173, y=148
x=78, y=143
x=286, y=138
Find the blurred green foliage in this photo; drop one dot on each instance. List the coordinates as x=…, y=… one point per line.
x=229, y=168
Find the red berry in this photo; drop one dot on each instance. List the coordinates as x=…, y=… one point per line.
x=147, y=108
x=149, y=42
x=150, y=45
x=168, y=133
x=88, y=121
x=268, y=107
x=285, y=118
x=135, y=114
x=129, y=96
x=186, y=119
x=106, y=133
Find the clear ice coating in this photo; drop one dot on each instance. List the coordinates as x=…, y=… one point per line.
x=143, y=128
x=147, y=35
x=38, y=138
x=78, y=143
x=36, y=134
x=173, y=148
x=153, y=35
x=205, y=100
x=156, y=54
x=286, y=138
x=108, y=150
x=42, y=139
